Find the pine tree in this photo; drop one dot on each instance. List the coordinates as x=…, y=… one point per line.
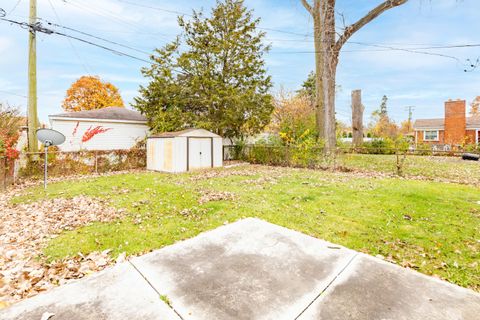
x=213, y=76
x=383, y=107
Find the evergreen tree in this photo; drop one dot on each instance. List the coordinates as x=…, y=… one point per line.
x=308, y=86
x=213, y=76
x=383, y=107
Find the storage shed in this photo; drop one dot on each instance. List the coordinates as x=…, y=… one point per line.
x=185, y=150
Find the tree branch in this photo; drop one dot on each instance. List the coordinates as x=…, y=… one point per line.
x=377, y=11
x=307, y=6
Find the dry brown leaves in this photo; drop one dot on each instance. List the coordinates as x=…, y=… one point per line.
x=211, y=195
x=24, y=231
x=249, y=171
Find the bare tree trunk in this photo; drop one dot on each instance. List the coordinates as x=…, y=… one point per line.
x=327, y=49
x=319, y=61
x=357, y=118
x=330, y=122
x=330, y=58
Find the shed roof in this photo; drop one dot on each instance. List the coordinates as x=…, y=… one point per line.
x=193, y=132
x=110, y=113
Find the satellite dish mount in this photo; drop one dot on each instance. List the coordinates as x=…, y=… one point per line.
x=48, y=138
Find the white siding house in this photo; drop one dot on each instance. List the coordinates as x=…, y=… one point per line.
x=111, y=128
x=185, y=150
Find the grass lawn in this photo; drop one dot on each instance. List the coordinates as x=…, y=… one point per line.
x=451, y=168
x=430, y=226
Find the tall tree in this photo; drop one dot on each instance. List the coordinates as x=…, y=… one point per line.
x=213, y=76
x=89, y=92
x=383, y=107
x=327, y=49
x=475, y=107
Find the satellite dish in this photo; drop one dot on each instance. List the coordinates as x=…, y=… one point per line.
x=49, y=137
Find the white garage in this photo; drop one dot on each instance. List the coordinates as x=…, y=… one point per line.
x=185, y=150
x=112, y=128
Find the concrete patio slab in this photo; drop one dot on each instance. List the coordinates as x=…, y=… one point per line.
x=117, y=293
x=252, y=269
x=247, y=270
x=371, y=289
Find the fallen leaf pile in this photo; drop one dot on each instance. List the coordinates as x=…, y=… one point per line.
x=251, y=170
x=24, y=231
x=211, y=195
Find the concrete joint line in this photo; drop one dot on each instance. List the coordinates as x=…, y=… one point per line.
x=150, y=284
x=328, y=285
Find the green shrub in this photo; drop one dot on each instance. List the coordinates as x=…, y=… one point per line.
x=423, y=149
x=472, y=148
x=379, y=146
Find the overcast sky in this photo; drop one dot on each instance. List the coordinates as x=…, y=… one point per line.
x=424, y=81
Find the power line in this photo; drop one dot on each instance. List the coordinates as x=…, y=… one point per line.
x=156, y=8
x=94, y=36
x=82, y=62
x=13, y=94
x=108, y=15
x=39, y=28
x=191, y=15
x=14, y=7
x=385, y=47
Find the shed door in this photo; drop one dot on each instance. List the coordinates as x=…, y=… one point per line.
x=199, y=153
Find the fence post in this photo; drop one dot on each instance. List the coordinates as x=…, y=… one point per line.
x=4, y=175
x=335, y=150
x=96, y=162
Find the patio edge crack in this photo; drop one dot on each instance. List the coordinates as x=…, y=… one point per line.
x=328, y=285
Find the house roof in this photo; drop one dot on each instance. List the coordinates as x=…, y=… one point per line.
x=193, y=132
x=473, y=121
x=110, y=113
x=429, y=124
x=439, y=124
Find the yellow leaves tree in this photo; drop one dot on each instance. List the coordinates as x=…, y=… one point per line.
x=293, y=117
x=405, y=127
x=89, y=93
x=382, y=126
x=475, y=107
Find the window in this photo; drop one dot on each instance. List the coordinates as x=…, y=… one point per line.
x=430, y=135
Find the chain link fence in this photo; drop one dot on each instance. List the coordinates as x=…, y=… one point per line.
x=31, y=165
x=343, y=159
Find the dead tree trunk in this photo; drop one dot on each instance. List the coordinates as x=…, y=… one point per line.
x=357, y=118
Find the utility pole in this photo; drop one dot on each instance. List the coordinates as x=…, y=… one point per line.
x=32, y=80
x=410, y=116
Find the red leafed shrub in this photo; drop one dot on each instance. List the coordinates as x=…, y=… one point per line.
x=10, y=121
x=8, y=146
x=92, y=132
x=12, y=153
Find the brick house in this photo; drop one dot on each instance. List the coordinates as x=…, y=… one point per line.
x=454, y=130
